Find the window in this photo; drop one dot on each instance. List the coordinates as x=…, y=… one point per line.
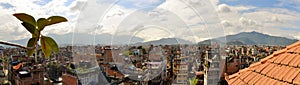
x=183, y=66
x=179, y=81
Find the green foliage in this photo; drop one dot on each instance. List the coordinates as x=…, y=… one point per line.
x=5, y=59
x=193, y=81
x=55, y=20
x=30, y=44
x=25, y=18
x=48, y=45
x=41, y=23
x=53, y=70
x=35, y=27
x=127, y=53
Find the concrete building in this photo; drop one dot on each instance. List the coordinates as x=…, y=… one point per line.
x=212, y=68
x=181, y=70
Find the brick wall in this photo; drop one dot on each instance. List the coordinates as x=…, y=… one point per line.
x=23, y=81
x=69, y=79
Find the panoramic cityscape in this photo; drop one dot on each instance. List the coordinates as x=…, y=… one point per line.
x=149, y=42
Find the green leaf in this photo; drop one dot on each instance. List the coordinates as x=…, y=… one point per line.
x=25, y=18
x=41, y=23
x=56, y=19
x=30, y=46
x=46, y=48
x=53, y=44
x=48, y=45
x=29, y=27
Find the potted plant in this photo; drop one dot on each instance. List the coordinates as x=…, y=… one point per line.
x=47, y=44
x=35, y=27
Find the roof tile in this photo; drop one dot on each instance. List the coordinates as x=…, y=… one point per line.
x=297, y=79
x=253, y=68
x=291, y=74
x=280, y=68
x=262, y=80
x=242, y=83
x=273, y=59
x=285, y=71
x=255, y=79
x=288, y=58
x=234, y=75
x=233, y=80
x=245, y=74
x=261, y=67
x=280, y=83
x=271, y=81
x=237, y=82
x=250, y=76
x=276, y=53
x=280, y=58
x=293, y=45
x=275, y=71
x=298, y=62
x=295, y=49
x=267, y=69
x=295, y=61
x=292, y=49
x=280, y=71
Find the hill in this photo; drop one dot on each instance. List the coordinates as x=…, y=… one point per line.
x=86, y=39
x=252, y=38
x=167, y=41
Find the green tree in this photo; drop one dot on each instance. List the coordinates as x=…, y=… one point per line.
x=48, y=45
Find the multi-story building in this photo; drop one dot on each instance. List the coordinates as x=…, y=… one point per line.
x=211, y=68
x=182, y=70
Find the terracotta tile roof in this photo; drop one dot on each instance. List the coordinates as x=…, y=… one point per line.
x=280, y=68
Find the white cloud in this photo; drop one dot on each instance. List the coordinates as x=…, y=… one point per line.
x=226, y=23
x=33, y=7
x=223, y=8
x=10, y=29
x=148, y=34
x=248, y=22
x=204, y=18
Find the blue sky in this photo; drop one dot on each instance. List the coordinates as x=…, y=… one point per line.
x=263, y=4
x=136, y=4
x=6, y=5
x=291, y=5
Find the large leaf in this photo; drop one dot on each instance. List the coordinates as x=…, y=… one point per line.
x=48, y=45
x=53, y=44
x=30, y=46
x=25, y=18
x=29, y=27
x=56, y=19
x=41, y=23
x=46, y=48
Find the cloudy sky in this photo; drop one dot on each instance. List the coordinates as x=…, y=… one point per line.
x=193, y=20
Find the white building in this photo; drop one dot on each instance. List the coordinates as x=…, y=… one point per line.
x=212, y=68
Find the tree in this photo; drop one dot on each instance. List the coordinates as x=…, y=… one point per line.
x=48, y=45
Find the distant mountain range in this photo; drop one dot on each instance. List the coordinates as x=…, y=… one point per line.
x=252, y=38
x=244, y=38
x=87, y=39
x=166, y=41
